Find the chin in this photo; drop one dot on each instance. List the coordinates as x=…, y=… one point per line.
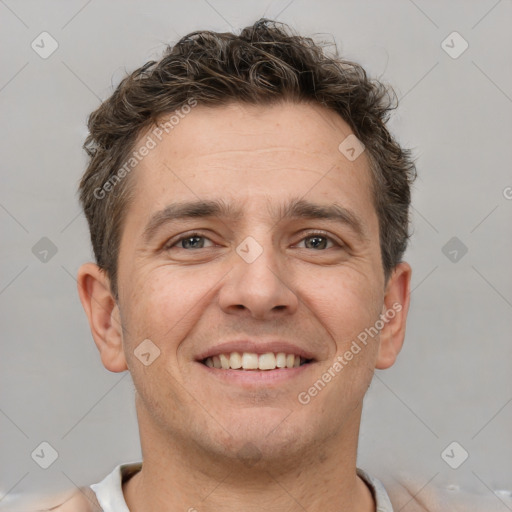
x=263, y=437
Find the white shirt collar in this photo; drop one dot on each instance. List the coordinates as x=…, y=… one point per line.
x=109, y=491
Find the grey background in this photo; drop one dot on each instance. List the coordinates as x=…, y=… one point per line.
x=452, y=381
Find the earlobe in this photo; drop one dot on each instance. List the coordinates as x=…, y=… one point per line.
x=103, y=314
x=394, y=315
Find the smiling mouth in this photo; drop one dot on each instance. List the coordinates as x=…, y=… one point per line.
x=251, y=361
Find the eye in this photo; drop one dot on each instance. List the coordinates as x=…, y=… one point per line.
x=189, y=241
x=319, y=240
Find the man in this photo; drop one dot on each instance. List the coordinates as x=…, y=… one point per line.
x=248, y=212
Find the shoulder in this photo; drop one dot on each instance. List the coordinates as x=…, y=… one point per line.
x=403, y=496
x=420, y=495
x=80, y=500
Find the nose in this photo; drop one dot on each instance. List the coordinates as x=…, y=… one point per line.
x=261, y=288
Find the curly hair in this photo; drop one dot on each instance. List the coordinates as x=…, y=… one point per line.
x=265, y=64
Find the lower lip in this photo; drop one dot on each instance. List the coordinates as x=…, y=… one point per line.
x=256, y=377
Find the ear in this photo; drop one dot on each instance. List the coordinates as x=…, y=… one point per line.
x=394, y=315
x=103, y=314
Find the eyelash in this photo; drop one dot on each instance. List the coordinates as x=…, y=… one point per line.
x=196, y=234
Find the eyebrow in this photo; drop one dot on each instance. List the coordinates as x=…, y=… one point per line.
x=293, y=209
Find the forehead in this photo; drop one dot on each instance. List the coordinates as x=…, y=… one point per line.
x=309, y=130
x=252, y=154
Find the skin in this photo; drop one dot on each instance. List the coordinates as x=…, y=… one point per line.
x=214, y=444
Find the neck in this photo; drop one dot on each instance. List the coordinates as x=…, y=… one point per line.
x=178, y=476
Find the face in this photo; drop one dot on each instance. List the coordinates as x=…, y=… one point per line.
x=273, y=261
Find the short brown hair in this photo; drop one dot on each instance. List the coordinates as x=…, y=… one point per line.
x=264, y=64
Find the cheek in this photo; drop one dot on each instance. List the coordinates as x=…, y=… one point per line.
x=346, y=302
x=160, y=307
x=347, y=313
x=163, y=305
x=354, y=306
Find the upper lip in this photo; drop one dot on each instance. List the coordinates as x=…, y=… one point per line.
x=255, y=347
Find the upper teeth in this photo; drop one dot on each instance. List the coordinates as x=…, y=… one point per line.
x=252, y=361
